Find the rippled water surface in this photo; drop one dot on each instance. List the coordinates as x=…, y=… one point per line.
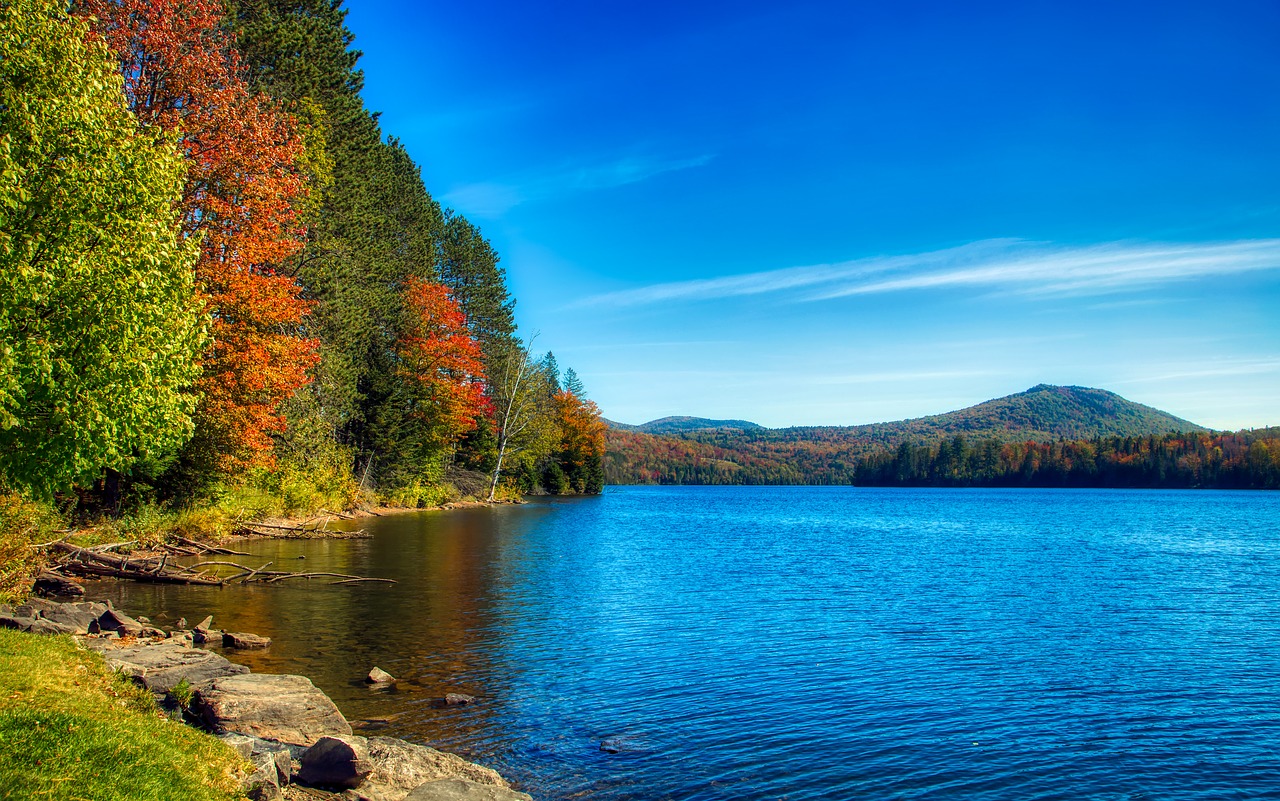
x=804, y=643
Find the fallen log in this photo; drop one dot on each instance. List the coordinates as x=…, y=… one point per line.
x=87, y=562
x=204, y=547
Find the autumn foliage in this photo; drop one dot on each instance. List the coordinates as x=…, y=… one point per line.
x=442, y=364
x=241, y=196
x=582, y=442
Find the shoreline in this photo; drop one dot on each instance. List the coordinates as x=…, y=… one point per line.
x=289, y=730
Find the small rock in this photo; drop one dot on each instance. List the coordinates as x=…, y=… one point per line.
x=241, y=640
x=180, y=624
x=204, y=624
x=336, y=762
x=201, y=636
x=142, y=619
x=463, y=790
x=153, y=633
x=458, y=699
x=122, y=624
x=379, y=676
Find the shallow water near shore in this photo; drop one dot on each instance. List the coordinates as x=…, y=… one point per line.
x=802, y=642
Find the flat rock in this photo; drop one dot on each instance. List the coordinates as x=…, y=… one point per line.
x=463, y=790
x=379, y=676
x=78, y=616
x=285, y=708
x=161, y=666
x=341, y=762
x=458, y=699
x=241, y=640
x=19, y=623
x=399, y=767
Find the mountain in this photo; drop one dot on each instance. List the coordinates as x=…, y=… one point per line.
x=996, y=433
x=1041, y=413
x=685, y=425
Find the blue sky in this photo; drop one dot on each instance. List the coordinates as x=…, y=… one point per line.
x=836, y=213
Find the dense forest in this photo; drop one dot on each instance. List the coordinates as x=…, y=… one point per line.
x=219, y=278
x=1241, y=460
x=1045, y=437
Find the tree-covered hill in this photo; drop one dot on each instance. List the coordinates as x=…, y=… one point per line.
x=1042, y=412
x=1048, y=435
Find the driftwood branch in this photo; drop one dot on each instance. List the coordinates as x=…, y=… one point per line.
x=91, y=562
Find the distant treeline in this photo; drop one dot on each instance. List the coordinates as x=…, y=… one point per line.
x=1241, y=460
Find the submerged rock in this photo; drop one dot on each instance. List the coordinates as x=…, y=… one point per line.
x=463, y=790
x=241, y=640
x=273, y=707
x=458, y=699
x=400, y=766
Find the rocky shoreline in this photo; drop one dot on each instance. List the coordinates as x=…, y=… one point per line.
x=295, y=738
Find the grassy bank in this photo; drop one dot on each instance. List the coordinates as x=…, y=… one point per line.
x=71, y=729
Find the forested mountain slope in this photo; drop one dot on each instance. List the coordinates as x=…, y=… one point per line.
x=1046, y=436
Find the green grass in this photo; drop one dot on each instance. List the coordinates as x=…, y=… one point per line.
x=71, y=730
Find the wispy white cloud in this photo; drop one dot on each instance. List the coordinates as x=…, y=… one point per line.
x=495, y=198
x=1007, y=265
x=1219, y=369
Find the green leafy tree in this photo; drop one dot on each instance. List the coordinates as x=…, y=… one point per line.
x=99, y=331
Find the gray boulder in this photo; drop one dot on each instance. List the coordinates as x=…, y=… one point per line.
x=78, y=616
x=463, y=790
x=161, y=666
x=335, y=762
x=399, y=767
x=285, y=708
x=19, y=623
x=52, y=584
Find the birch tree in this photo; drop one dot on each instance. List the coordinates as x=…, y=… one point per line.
x=523, y=408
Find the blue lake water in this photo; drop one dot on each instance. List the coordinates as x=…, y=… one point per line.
x=802, y=643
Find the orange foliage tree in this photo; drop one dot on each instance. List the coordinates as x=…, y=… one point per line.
x=582, y=442
x=442, y=365
x=243, y=189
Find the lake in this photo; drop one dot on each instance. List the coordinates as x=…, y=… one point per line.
x=802, y=642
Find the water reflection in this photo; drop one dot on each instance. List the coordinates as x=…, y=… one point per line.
x=432, y=630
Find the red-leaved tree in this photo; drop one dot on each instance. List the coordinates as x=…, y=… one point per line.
x=242, y=193
x=442, y=365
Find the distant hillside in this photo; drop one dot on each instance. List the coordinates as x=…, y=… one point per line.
x=683, y=425
x=700, y=451
x=1041, y=413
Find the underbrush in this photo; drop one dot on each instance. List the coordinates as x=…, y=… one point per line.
x=72, y=729
x=23, y=523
